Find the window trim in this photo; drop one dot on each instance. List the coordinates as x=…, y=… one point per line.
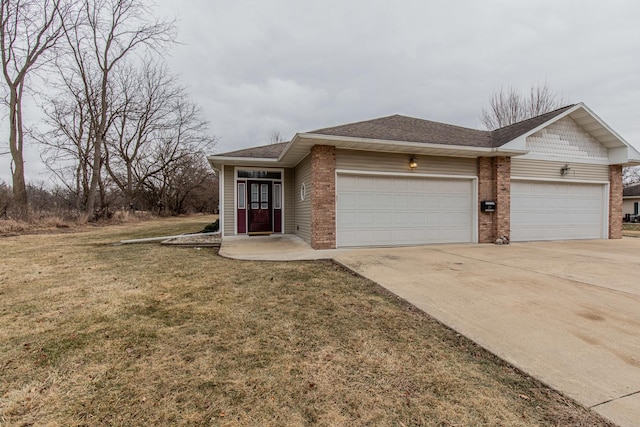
x=242, y=195
x=277, y=195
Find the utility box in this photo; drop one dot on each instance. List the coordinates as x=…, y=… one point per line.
x=488, y=206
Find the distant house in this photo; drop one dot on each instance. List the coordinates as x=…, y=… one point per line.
x=401, y=180
x=631, y=201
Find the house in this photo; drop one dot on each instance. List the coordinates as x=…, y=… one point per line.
x=631, y=202
x=400, y=180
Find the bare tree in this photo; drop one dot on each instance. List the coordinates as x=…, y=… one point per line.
x=631, y=175
x=68, y=146
x=103, y=34
x=509, y=106
x=175, y=152
x=146, y=96
x=275, y=137
x=29, y=29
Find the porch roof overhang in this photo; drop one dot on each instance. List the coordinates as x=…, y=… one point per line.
x=300, y=147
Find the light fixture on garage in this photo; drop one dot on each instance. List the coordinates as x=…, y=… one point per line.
x=413, y=163
x=564, y=171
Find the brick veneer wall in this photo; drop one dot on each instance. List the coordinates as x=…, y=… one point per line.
x=494, y=184
x=323, y=197
x=615, y=202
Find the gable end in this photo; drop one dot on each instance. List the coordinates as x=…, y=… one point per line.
x=565, y=139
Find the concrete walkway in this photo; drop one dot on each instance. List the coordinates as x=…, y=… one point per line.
x=275, y=247
x=567, y=313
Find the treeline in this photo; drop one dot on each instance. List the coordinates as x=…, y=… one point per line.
x=60, y=202
x=118, y=129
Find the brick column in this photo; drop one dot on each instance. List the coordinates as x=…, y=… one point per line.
x=486, y=191
x=323, y=197
x=615, y=202
x=503, y=196
x=494, y=183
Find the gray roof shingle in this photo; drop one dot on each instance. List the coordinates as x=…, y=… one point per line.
x=508, y=133
x=410, y=129
x=271, y=151
x=631, y=191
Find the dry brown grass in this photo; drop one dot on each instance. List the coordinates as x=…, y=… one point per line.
x=48, y=222
x=95, y=334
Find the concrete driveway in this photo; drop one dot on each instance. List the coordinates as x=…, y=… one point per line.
x=568, y=313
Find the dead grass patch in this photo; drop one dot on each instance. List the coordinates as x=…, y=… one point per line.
x=152, y=335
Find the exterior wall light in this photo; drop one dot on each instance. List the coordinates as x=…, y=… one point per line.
x=564, y=171
x=413, y=163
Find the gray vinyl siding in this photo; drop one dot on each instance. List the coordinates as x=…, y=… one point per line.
x=399, y=163
x=302, y=209
x=289, y=208
x=551, y=170
x=229, y=205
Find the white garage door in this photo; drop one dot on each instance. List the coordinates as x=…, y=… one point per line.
x=557, y=211
x=386, y=211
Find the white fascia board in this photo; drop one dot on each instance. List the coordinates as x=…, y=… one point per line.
x=619, y=155
x=336, y=140
x=634, y=155
x=248, y=161
x=606, y=126
x=520, y=143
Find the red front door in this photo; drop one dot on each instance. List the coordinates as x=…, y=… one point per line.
x=259, y=214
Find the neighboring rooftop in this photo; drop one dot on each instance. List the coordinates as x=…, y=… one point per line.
x=631, y=191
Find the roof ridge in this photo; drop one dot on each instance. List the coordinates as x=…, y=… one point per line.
x=401, y=116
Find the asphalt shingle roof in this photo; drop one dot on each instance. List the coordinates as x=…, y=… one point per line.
x=631, y=191
x=509, y=133
x=410, y=129
x=271, y=151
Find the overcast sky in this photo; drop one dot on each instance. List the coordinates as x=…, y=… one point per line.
x=256, y=67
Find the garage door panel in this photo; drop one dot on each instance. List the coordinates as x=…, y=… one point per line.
x=407, y=210
x=557, y=211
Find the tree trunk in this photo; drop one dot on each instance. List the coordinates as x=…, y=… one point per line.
x=15, y=146
x=95, y=179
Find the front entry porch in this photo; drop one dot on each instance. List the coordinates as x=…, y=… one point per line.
x=258, y=202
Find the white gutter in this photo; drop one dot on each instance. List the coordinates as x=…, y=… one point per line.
x=408, y=144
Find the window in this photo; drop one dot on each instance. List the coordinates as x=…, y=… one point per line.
x=255, y=196
x=242, y=194
x=264, y=189
x=277, y=196
x=260, y=174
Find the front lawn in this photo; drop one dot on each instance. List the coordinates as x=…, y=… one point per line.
x=96, y=334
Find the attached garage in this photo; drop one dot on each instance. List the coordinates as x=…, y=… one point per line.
x=382, y=210
x=558, y=210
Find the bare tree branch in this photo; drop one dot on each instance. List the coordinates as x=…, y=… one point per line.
x=509, y=106
x=103, y=34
